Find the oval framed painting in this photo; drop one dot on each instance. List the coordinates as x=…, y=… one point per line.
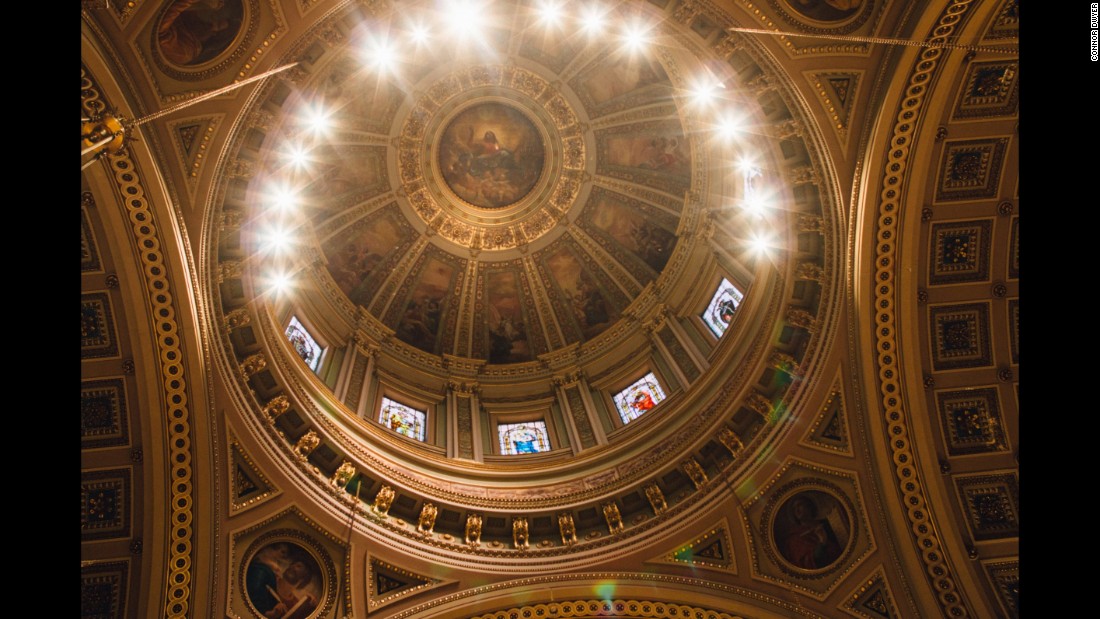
x=193, y=33
x=836, y=16
x=832, y=11
x=811, y=529
x=286, y=575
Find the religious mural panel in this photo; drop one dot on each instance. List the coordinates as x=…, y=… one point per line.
x=584, y=298
x=362, y=255
x=503, y=313
x=620, y=81
x=284, y=579
x=618, y=223
x=654, y=154
x=425, y=300
x=193, y=32
x=811, y=529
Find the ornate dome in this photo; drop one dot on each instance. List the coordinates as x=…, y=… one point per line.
x=521, y=307
x=553, y=227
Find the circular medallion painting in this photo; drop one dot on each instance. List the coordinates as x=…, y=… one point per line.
x=192, y=32
x=491, y=155
x=284, y=581
x=826, y=10
x=811, y=530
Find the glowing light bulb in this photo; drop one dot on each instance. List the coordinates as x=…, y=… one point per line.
x=463, y=18
x=419, y=34
x=636, y=37
x=549, y=12
x=756, y=204
x=382, y=57
x=280, y=282
x=284, y=198
x=297, y=155
x=705, y=91
x=729, y=126
x=279, y=239
x=592, y=21
x=760, y=244
x=317, y=119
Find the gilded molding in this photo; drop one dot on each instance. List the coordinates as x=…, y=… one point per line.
x=568, y=528
x=656, y=498
x=426, y=523
x=306, y=444
x=694, y=472
x=473, y=529
x=383, y=500
x=343, y=474
x=171, y=370
x=887, y=296
x=612, y=516
x=519, y=533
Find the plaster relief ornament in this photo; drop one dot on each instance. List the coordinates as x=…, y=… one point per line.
x=427, y=518
x=694, y=472
x=730, y=441
x=656, y=498
x=383, y=500
x=519, y=533
x=343, y=474
x=612, y=516
x=275, y=407
x=473, y=529
x=307, y=444
x=568, y=529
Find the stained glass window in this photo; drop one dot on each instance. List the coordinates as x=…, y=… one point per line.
x=303, y=342
x=722, y=307
x=638, y=398
x=523, y=438
x=403, y=419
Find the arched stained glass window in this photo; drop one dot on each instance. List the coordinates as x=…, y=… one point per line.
x=523, y=438
x=722, y=306
x=303, y=343
x=403, y=419
x=638, y=398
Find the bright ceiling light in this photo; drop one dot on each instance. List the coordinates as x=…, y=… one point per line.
x=759, y=244
x=316, y=118
x=297, y=155
x=283, y=198
x=756, y=204
x=463, y=17
x=636, y=37
x=382, y=56
x=278, y=239
x=419, y=33
x=592, y=20
x=549, y=12
x=706, y=90
x=280, y=282
x=729, y=126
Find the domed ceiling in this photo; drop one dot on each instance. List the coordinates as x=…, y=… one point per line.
x=541, y=178
x=530, y=224
x=502, y=308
